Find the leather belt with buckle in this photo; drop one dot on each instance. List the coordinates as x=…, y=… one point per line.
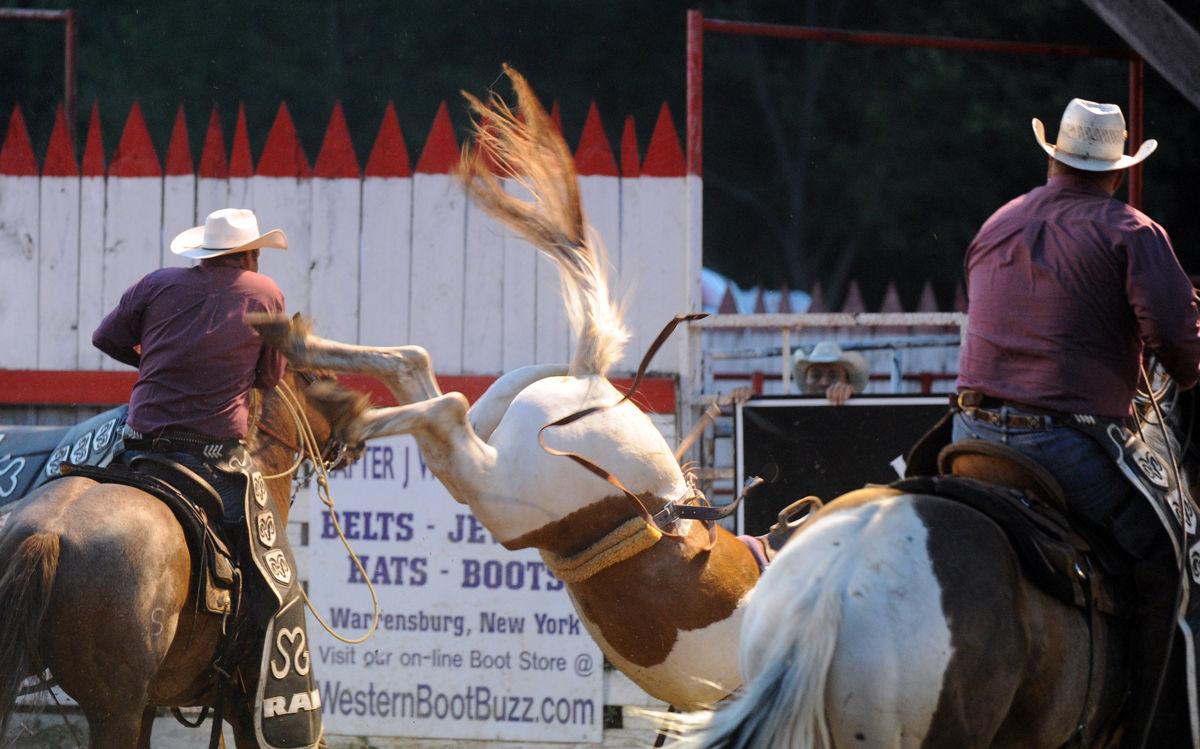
x=996, y=412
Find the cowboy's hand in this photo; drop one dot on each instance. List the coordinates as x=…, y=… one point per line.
x=839, y=392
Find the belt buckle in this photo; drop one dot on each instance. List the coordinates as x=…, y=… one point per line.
x=969, y=399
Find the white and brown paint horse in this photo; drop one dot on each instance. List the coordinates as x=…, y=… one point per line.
x=901, y=620
x=665, y=610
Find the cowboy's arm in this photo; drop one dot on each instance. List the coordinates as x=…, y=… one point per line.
x=271, y=362
x=120, y=332
x=1160, y=295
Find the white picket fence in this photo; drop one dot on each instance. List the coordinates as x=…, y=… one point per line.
x=396, y=258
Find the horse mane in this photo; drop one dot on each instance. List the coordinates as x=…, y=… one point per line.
x=527, y=149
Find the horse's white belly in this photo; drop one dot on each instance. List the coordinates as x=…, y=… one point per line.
x=701, y=669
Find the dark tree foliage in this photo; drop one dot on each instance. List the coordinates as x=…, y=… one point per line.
x=823, y=162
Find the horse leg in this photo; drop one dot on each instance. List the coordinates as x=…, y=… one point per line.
x=118, y=728
x=148, y=715
x=449, y=445
x=406, y=370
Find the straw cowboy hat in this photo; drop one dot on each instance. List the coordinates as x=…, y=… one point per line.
x=225, y=232
x=1092, y=137
x=828, y=352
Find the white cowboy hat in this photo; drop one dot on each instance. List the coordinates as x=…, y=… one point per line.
x=828, y=352
x=1092, y=137
x=225, y=232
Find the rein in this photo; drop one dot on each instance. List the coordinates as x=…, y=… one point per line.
x=311, y=452
x=673, y=511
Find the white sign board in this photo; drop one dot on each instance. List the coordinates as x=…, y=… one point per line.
x=474, y=641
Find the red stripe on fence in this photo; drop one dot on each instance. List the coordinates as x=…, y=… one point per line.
x=440, y=154
x=336, y=158
x=389, y=155
x=283, y=156
x=93, y=150
x=213, y=164
x=60, y=153
x=594, y=155
x=135, y=156
x=631, y=162
x=241, y=163
x=179, y=153
x=27, y=387
x=16, y=155
x=664, y=157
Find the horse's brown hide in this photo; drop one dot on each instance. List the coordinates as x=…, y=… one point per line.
x=642, y=603
x=88, y=617
x=996, y=617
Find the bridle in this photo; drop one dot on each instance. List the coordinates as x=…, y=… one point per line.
x=335, y=452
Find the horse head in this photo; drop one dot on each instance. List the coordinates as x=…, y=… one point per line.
x=307, y=417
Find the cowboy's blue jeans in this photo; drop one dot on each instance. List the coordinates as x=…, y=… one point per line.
x=1095, y=488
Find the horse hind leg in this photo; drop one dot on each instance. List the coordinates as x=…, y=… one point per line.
x=406, y=370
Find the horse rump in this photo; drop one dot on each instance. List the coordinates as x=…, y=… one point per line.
x=25, y=587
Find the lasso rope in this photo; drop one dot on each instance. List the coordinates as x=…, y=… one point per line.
x=308, y=444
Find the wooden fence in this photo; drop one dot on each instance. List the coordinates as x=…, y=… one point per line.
x=380, y=254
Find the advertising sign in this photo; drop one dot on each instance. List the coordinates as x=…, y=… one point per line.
x=474, y=641
x=804, y=446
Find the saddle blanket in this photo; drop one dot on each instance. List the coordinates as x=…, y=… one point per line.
x=30, y=455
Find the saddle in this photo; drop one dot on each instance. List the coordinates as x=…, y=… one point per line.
x=1025, y=500
x=192, y=501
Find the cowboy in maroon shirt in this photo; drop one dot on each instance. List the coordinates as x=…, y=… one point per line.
x=1066, y=285
x=197, y=360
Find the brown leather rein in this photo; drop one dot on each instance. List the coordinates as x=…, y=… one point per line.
x=675, y=509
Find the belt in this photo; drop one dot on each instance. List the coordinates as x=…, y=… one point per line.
x=995, y=411
x=168, y=439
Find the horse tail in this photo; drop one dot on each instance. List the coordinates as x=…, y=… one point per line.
x=25, y=587
x=786, y=654
x=528, y=149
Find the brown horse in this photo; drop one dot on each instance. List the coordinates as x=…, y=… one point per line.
x=96, y=587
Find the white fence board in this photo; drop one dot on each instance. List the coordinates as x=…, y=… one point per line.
x=483, y=284
x=520, y=298
x=385, y=283
x=283, y=203
x=602, y=208
x=58, y=274
x=660, y=267
x=333, y=279
x=237, y=194
x=92, y=202
x=625, y=253
x=179, y=213
x=19, y=269
x=211, y=194
x=132, y=230
x=436, y=307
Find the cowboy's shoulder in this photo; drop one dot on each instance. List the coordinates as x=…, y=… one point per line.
x=261, y=286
